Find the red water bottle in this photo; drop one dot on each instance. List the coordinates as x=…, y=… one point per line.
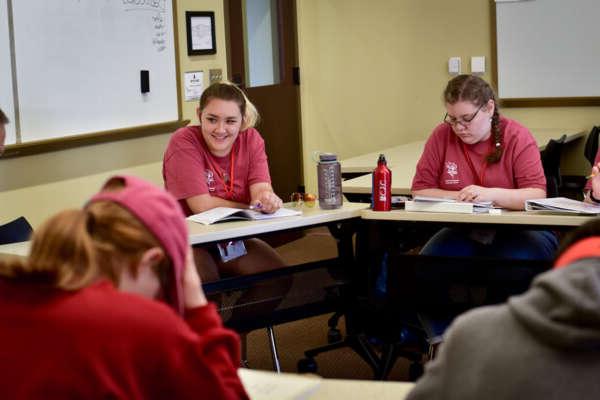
x=382, y=186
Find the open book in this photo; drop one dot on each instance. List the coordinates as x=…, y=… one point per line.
x=220, y=214
x=440, y=204
x=562, y=205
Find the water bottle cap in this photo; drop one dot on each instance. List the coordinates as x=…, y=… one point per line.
x=381, y=158
x=325, y=157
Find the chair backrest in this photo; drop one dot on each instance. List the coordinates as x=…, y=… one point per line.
x=14, y=231
x=591, y=145
x=551, y=163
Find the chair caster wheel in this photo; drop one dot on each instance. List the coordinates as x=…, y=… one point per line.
x=334, y=335
x=415, y=370
x=307, y=365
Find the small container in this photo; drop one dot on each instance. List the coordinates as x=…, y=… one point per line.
x=329, y=173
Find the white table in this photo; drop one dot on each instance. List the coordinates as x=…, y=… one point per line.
x=530, y=218
x=401, y=156
x=264, y=385
x=15, y=249
x=199, y=234
x=403, y=160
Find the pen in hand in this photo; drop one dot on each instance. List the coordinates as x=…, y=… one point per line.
x=590, y=176
x=257, y=206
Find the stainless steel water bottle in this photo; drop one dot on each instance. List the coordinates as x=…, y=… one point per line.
x=329, y=173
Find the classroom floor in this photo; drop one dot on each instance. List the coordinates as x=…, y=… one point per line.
x=295, y=337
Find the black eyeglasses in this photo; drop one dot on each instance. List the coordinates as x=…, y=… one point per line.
x=465, y=122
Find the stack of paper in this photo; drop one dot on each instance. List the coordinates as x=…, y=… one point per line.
x=562, y=205
x=439, y=204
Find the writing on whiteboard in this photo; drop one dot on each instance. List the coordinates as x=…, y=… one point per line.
x=152, y=5
x=158, y=19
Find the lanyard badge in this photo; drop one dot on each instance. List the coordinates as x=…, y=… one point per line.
x=231, y=250
x=227, y=180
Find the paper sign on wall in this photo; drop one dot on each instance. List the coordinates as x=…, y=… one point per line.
x=193, y=85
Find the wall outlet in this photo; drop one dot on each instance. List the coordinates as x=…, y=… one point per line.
x=454, y=65
x=478, y=65
x=215, y=75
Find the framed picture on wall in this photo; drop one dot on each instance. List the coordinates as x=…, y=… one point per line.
x=200, y=26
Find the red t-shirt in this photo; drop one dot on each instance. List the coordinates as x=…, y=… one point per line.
x=189, y=167
x=444, y=163
x=588, y=184
x=98, y=342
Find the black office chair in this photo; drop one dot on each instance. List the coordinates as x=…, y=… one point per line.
x=376, y=335
x=15, y=231
x=551, y=162
x=591, y=145
x=574, y=185
x=319, y=288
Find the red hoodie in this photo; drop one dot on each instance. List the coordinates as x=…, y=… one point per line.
x=98, y=342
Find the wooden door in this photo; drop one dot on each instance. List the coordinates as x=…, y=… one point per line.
x=278, y=103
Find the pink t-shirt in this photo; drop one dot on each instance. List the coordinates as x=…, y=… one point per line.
x=444, y=165
x=189, y=167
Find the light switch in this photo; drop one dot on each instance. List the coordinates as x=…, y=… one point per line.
x=214, y=75
x=454, y=65
x=478, y=65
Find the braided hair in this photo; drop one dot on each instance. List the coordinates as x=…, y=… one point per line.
x=477, y=91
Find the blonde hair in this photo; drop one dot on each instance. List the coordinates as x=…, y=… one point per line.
x=76, y=247
x=229, y=92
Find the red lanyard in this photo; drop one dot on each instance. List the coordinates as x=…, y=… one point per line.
x=215, y=167
x=484, y=165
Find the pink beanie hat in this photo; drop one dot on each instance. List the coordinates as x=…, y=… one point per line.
x=162, y=216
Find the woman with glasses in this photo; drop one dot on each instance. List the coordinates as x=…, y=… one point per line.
x=477, y=155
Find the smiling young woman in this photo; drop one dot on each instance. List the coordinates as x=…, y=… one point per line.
x=222, y=163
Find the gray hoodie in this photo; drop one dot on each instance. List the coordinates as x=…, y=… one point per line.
x=543, y=344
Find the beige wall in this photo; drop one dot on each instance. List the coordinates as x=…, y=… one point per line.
x=40, y=185
x=373, y=72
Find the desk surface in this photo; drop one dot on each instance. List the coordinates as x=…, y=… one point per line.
x=199, y=233
x=540, y=218
x=403, y=159
x=15, y=249
x=237, y=229
x=269, y=385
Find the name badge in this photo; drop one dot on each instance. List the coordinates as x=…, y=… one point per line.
x=231, y=250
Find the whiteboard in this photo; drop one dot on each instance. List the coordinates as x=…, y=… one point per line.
x=6, y=87
x=548, y=48
x=78, y=63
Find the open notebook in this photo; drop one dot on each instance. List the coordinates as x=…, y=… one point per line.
x=221, y=214
x=562, y=205
x=439, y=204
